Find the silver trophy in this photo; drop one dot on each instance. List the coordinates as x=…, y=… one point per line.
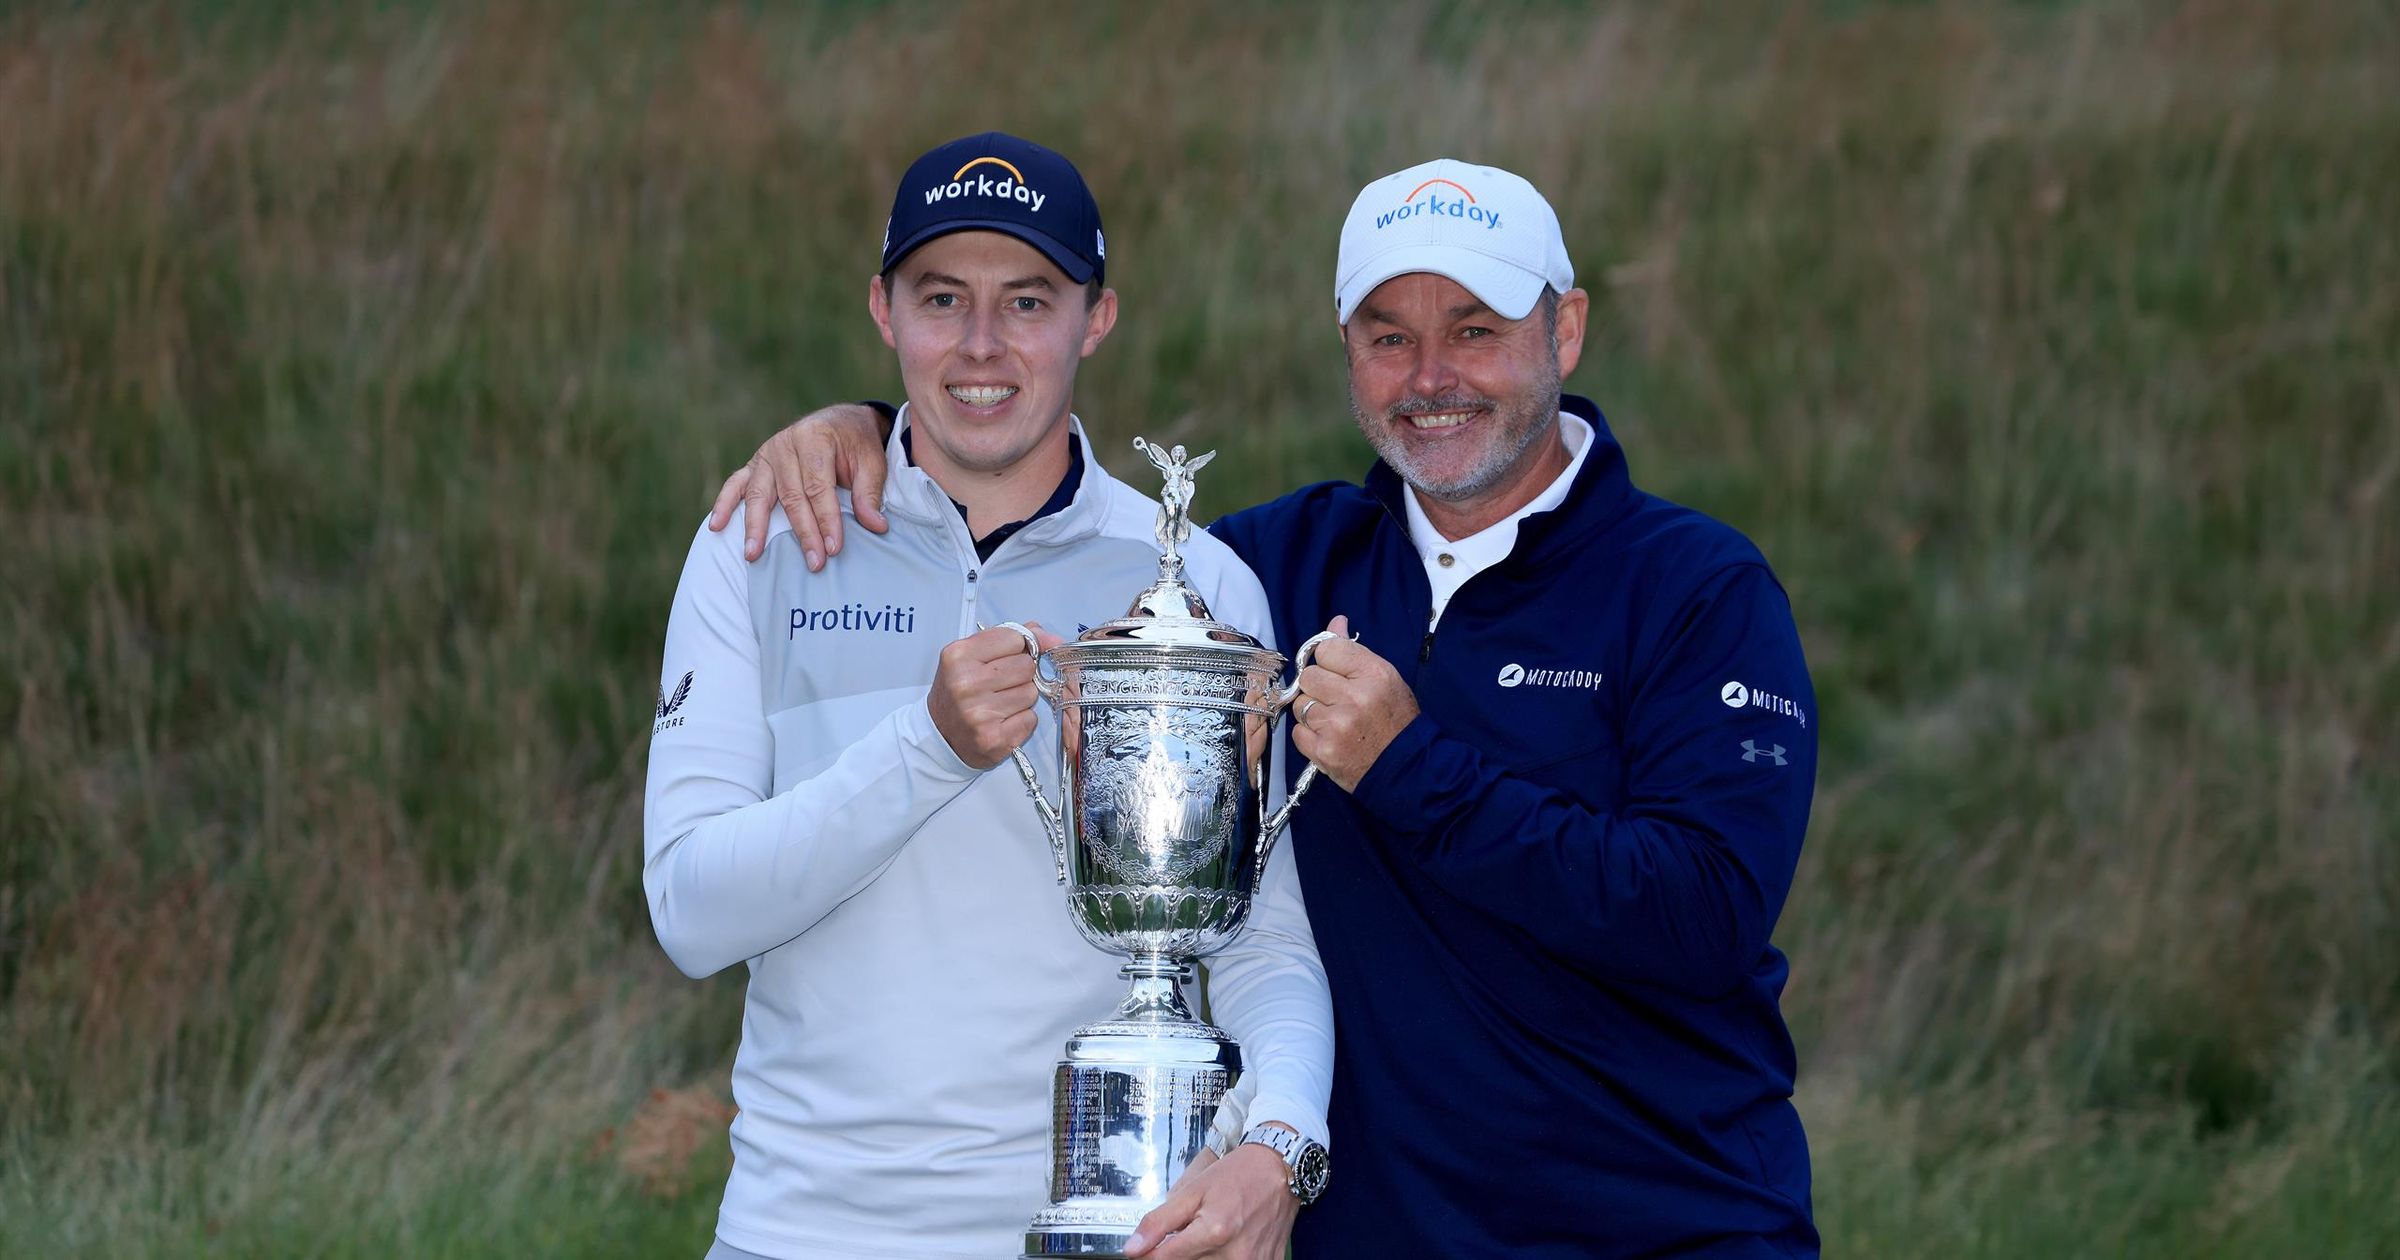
x=1164, y=718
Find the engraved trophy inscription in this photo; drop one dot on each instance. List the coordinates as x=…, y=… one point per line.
x=1164, y=720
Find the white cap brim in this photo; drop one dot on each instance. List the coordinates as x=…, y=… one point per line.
x=1510, y=290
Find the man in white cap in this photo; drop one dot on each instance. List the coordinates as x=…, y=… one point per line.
x=1576, y=744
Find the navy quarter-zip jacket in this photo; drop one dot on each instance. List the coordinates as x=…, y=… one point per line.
x=1545, y=913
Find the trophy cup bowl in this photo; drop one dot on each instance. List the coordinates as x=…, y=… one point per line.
x=1164, y=718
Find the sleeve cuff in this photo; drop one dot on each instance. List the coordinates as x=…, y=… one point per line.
x=1393, y=789
x=1286, y=1109
x=918, y=731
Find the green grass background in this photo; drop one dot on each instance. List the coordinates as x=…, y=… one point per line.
x=362, y=375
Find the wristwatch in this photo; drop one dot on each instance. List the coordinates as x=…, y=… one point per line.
x=1305, y=1157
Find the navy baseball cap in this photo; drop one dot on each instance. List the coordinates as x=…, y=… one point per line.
x=998, y=183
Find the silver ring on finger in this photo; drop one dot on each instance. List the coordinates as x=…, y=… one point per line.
x=1307, y=705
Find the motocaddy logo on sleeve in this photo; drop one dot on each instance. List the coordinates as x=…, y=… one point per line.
x=1742, y=696
x=1439, y=204
x=1006, y=182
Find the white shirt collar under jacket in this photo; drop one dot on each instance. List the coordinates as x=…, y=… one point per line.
x=1449, y=563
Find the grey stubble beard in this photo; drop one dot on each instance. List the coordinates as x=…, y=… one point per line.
x=1519, y=429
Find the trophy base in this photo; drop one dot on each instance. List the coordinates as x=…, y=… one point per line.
x=1130, y=1106
x=1060, y=1237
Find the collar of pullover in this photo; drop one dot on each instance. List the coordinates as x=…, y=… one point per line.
x=913, y=495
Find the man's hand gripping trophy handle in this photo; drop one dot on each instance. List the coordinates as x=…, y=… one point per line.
x=1053, y=825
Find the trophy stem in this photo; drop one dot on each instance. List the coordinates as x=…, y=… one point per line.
x=1157, y=993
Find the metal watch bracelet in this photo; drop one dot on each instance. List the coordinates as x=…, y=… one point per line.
x=1306, y=1158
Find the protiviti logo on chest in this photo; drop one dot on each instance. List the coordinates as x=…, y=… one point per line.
x=1008, y=186
x=1436, y=202
x=889, y=619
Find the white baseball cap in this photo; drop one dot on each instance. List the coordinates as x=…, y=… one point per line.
x=1479, y=225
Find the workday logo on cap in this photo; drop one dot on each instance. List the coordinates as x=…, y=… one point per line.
x=1488, y=230
x=1004, y=181
x=1462, y=205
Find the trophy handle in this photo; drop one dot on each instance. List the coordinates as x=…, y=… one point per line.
x=1308, y=773
x=1053, y=825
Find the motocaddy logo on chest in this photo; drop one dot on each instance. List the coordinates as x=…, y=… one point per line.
x=1515, y=675
x=1438, y=204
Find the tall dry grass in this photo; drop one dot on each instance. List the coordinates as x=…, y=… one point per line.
x=361, y=376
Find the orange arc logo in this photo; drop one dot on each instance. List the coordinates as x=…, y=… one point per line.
x=1020, y=178
x=1412, y=196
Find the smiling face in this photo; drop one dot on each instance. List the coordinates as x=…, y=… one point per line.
x=989, y=334
x=1462, y=403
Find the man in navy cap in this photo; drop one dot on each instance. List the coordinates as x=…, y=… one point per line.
x=820, y=813
x=1575, y=744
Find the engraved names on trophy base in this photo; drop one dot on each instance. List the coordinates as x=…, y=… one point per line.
x=1126, y=1130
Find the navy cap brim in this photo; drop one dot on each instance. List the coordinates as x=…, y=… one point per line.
x=1060, y=256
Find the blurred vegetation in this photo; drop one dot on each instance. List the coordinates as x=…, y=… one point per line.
x=362, y=377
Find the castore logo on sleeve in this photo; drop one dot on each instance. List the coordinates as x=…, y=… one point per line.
x=667, y=720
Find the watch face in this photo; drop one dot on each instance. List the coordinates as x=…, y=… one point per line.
x=1312, y=1172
